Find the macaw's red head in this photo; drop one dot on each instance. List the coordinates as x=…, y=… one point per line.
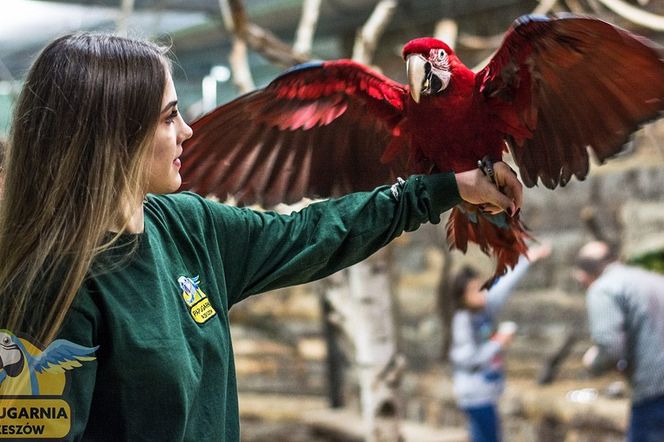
x=427, y=66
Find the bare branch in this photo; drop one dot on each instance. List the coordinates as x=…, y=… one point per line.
x=238, y=15
x=126, y=9
x=479, y=42
x=595, y=6
x=271, y=47
x=239, y=61
x=262, y=41
x=544, y=7
x=635, y=15
x=447, y=30
x=226, y=15
x=444, y=301
x=575, y=6
x=258, y=39
x=368, y=36
x=235, y=21
x=305, y=31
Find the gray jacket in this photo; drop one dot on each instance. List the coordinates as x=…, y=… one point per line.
x=626, y=320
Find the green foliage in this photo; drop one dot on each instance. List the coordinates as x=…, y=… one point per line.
x=652, y=261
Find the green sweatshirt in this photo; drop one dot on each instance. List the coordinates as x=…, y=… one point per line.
x=164, y=368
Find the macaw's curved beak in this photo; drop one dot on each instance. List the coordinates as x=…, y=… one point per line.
x=423, y=78
x=416, y=70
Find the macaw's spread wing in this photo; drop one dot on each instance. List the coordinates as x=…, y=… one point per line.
x=318, y=130
x=560, y=85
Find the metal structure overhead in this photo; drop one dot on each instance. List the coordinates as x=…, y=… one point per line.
x=200, y=41
x=26, y=25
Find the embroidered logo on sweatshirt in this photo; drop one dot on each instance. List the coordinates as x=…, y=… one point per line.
x=197, y=302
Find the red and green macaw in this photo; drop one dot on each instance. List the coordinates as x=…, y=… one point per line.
x=556, y=86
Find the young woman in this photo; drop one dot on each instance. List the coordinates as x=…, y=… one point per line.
x=94, y=251
x=477, y=344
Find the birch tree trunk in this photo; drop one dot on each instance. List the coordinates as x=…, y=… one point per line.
x=126, y=9
x=370, y=325
x=368, y=36
x=304, y=36
x=235, y=22
x=363, y=302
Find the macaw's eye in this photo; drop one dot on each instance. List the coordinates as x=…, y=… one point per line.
x=6, y=340
x=439, y=58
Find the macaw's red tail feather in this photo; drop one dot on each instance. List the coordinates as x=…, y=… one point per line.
x=499, y=236
x=457, y=230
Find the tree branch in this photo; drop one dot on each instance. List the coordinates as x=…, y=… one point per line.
x=258, y=39
x=479, y=42
x=241, y=72
x=368, y=36
x=447, y=30
x=235, y=21
x=126, y=9
x=271, y=47
x=544, y=7
x=635, y=15
x=575, y=6
x=305, y=31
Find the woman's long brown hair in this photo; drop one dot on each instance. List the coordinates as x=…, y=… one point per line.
x=82, y=130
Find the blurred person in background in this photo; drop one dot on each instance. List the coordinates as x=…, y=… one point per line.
x=96, y=252
x=626, y=320
x=477, y=344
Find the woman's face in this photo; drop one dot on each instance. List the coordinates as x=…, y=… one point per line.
x=172, y=131
x=474, y=297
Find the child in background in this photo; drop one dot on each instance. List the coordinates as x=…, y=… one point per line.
x=477, y=345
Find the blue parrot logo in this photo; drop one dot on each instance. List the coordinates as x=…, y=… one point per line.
x=190, y=290
x=61, y=355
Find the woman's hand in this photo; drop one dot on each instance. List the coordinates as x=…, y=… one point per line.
x=476, y=188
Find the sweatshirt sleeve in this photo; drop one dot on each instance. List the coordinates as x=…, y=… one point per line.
x=265, y=250
x=465, y=353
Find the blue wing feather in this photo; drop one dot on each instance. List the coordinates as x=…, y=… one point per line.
x=300, y=67
x=60, y=351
